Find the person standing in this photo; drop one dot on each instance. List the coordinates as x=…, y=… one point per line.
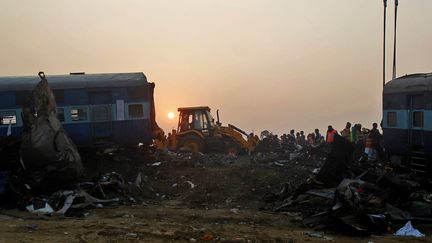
x=318, y=136
x=346, y=132
x=292, y=137
x=330, y=134
x=372, y=140
x=354, y=133
x=298, y=138
x=302, y=138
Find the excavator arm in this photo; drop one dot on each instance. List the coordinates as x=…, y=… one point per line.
x=237, y=135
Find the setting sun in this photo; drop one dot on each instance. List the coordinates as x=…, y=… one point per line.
x=171, y=115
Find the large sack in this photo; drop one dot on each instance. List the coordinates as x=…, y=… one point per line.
x=49, y=156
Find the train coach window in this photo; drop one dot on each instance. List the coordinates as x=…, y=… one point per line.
x=60, y=114
x=78, y=114
x=417, y=119
x=391, y=119
x=8, y=117
x=136, y=111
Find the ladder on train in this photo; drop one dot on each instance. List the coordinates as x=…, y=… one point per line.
x=419, y=164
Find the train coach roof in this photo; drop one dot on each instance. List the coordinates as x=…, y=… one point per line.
x=419, y=82
x=74, y=81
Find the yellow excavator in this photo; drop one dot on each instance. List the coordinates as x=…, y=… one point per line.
x=197, y=131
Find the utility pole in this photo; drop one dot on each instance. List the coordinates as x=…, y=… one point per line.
x=394, y=40
x=384, y=41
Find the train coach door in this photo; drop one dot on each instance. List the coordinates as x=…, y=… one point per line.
x=416, y=134
x=101, y=116
x=416, y=121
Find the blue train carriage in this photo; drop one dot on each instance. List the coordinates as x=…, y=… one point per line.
x=407, y=120
x=95, y=109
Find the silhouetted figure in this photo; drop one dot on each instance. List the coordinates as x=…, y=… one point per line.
x=318, y=136
x=371, y=143
x=302, y=139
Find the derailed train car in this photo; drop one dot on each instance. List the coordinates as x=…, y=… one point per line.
x=94, y=109
x=407, y=120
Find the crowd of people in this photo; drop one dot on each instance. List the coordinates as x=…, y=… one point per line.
x=293, y=141
x=368, y=140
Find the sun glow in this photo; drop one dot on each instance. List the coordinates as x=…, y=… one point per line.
x=171, y=115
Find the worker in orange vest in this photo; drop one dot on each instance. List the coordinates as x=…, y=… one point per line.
x=330, y=134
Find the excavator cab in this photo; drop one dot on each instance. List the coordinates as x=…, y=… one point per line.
x=198, y=131
x=195, y=118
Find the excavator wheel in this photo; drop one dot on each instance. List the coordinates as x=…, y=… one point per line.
x=233, y=148
x=192, y=143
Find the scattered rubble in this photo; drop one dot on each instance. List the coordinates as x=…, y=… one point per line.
x=228, y=190
x=357, y=197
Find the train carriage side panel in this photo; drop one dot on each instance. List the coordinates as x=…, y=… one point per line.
x=395, y=118
x=132, y=122
x=114, y=108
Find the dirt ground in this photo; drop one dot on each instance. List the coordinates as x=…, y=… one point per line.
x=186, y=199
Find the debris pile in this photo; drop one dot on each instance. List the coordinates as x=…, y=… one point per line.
x=106, y=190
x=357, y=196
x=49, y=157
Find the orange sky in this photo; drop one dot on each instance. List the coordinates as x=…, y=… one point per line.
x=268, y=64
